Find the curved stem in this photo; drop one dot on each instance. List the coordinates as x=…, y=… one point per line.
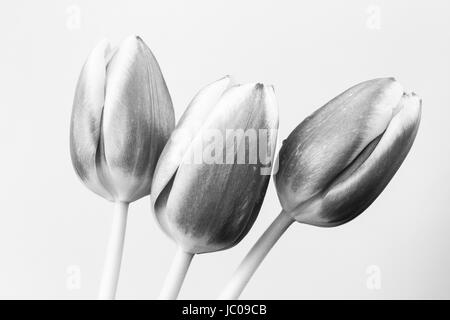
x=111, y=269
x=175, y=277
x=255, y=256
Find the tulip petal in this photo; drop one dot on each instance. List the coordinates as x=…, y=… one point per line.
x=137, y=120
x=351, y=194
x=86, y=118
x=329, y=140
x=186, y=130
x=211, y=206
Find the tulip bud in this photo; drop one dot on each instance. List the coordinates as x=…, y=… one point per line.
x=210, y=205
x=122, y=117
x=339, y=159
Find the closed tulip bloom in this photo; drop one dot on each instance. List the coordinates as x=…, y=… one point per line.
x=122, y=117
x=210, y=205
x=337, y=162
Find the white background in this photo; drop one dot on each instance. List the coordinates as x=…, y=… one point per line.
x=51, y=226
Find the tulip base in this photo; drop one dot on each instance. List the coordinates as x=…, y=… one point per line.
x=111, y=270
x=256, y=255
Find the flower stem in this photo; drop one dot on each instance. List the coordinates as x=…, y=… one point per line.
x=111, y=269
x=255, y=256
x=176, y=275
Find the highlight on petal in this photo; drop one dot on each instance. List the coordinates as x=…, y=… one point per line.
x=186, y=129
x=86, y=118
x=329, y=140
x=137, y=120
x=211, y=206
x=346, y=198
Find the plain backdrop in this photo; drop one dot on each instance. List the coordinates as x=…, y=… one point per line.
x=54, y=231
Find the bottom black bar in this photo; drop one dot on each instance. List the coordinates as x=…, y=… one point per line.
x=210, y=309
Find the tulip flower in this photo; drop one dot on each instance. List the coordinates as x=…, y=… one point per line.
x=122, y=117
x=212, y=175
x=337, y=162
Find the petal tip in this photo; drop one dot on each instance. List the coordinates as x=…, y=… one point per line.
x=389, y=83
x=103, y=43
x=394, y=84
x=229, y=79
x=132, y=43
x=102, y=49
